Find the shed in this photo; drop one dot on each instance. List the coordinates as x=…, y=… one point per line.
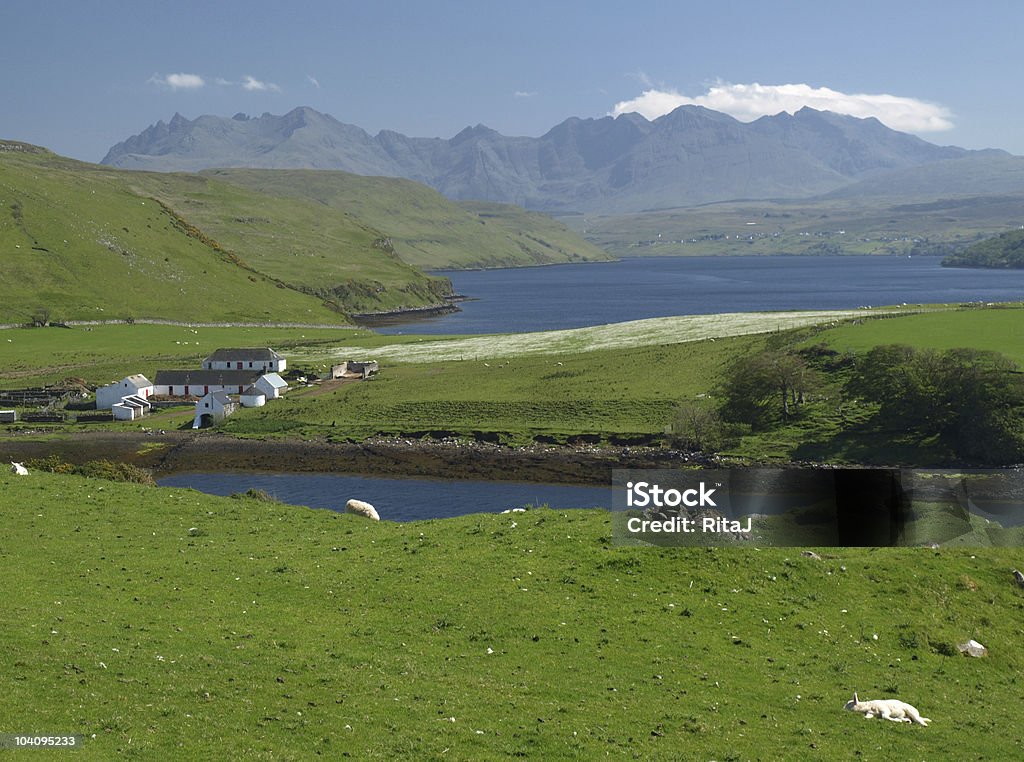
x=212, y=408
x=8, y=416
x=129, y=408
x=252, y=397
x=272, y=385
x=355, y=369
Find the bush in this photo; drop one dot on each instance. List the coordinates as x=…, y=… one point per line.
x=94, y=469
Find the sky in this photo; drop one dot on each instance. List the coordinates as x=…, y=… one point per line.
x=78, y=77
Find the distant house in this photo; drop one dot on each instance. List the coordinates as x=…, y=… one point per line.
x=262, y=359
x=137, y=385
x=355, y=369
x=272, y=385
x=252, y=397
x=212, y=408
x=197, y=383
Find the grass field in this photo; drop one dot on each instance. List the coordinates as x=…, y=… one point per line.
x=997, y=330
x=619, y=382
x=165, y=623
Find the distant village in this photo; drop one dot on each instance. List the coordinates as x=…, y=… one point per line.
x=253, y=374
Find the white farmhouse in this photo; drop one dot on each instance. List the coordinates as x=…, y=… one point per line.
x=137, y=385
x=212, y=408
x=272, y=385
x=262, y=359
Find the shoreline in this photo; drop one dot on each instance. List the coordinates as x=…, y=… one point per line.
x=180, y=451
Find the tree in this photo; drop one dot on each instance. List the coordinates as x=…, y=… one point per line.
x=760, y=389
x=971, y=400
x=697, y=426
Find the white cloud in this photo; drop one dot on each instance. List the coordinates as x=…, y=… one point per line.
x=524, y=94
x=251, y=83
x=180, y=81
x=748, y=102
x=313, y=81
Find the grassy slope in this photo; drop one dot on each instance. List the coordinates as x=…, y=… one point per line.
x=998, y=330
x=280, y=632
x=104, y=353
x=806, y=227
x=74, y=238
x=427, y=229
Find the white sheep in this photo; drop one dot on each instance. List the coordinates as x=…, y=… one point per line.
x=887, y=709
x=17, y=468
x=359, y=508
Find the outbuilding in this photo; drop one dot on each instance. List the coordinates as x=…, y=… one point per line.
x=252, y=397
x=272, y=385
x=213, y=408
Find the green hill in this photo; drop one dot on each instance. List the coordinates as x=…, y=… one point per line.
x=426, y=229
x=164, y=623
x=1003, y=251
x=79, y=241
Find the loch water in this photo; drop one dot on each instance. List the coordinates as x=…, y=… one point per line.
x=579, y=295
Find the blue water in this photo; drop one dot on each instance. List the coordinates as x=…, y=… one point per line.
x=395, y=499
x=573, y=296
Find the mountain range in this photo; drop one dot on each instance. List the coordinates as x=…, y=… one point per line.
x=624, y=164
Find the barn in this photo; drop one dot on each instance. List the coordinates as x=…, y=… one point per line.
x=197, y=383
x=212, y=408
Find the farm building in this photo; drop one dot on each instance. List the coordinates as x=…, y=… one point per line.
x=130, y=408
x=252, y=397
x=8, y=416
x=196, y=383
x=137, y=385
x=355, y=369
x=213, y=407
x=272, y=385
x=262, y=359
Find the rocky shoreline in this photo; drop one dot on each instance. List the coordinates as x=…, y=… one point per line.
x=176, y=451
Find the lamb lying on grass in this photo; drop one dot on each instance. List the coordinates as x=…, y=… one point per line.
x=887, y=709
x=359, y=508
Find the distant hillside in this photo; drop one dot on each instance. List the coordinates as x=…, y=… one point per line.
x=610, y=165
x=80, y=241
x=1005, y=251
x=426, y=229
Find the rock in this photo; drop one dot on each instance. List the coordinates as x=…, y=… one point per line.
x=810, y=554
x=972, y=648
x=1018, y=577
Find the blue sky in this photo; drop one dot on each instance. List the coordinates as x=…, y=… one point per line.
x=80, y=76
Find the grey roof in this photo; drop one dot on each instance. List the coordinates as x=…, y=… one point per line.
x=244, y=354
x=221, y=397
x=252, y=391
x=206, y=377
